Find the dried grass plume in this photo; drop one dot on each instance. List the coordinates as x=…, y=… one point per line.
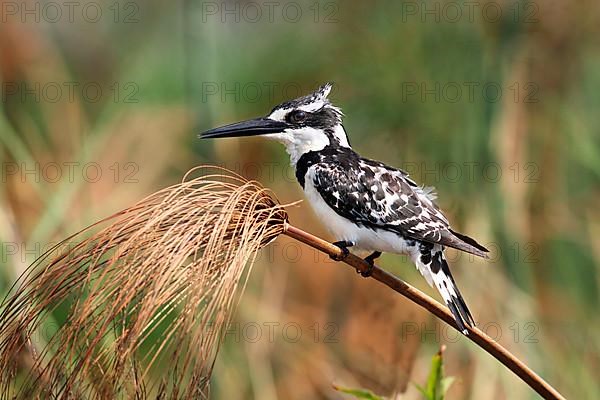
x=148, y=293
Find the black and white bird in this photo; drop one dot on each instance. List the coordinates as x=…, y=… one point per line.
x=363, y=202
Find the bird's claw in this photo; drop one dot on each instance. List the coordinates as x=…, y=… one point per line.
x=343, y=246
x=367, y=272
x=341, y=257
x=369, y=260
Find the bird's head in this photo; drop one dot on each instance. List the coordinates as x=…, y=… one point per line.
x=308, y=123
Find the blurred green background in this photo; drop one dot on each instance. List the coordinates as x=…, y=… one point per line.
x=494, y=103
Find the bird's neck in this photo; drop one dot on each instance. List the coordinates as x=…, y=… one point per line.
x=299, y=145
x=297, y=149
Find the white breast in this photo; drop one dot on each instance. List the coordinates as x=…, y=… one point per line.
x=344, y=229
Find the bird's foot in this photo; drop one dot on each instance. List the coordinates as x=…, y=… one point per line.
x=370, y=260
x=343, y=245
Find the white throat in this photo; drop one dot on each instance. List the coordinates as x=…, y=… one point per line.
x=299, y=142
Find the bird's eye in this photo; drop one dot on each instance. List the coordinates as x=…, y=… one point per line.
x=297, y=116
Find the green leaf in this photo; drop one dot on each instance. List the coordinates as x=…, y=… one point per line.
x=436, y=386
x=358, y=393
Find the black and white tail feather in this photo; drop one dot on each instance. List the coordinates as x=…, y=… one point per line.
x=431, y=263
x=377, y=207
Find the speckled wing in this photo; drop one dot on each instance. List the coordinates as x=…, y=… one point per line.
x=374, y=195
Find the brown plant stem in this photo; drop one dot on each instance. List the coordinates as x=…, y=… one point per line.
x=475, y=334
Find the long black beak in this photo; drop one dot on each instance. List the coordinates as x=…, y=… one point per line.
x=252, y=127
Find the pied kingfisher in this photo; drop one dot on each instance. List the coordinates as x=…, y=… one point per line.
x=364, y=203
